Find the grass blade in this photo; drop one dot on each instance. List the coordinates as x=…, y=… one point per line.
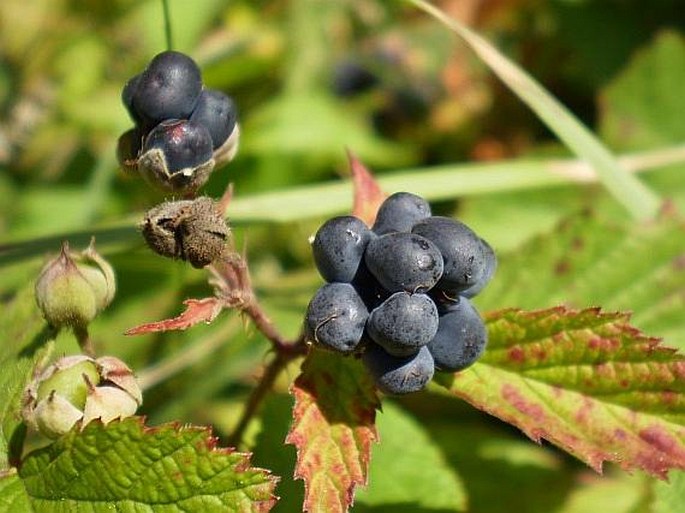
x=639, y=200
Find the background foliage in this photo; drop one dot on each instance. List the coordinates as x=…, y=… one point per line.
x=437, y=123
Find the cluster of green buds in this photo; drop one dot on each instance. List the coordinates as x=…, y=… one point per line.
x=74, y=287
x=80, y=389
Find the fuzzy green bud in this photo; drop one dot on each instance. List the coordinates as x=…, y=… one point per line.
x=77, y=390
x=74, y=287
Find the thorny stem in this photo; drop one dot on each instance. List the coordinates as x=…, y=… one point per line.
x=233, y=285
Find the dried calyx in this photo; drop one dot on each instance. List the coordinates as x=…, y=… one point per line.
x=80, y=389
x=74, y=287
x=192, y=230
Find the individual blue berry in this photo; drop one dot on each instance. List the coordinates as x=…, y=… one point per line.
x=168, y=89
x=403, y=323
x=351, y=78
x=218, y=113
x=335, y=317
x=397, y=375
x=127, y=95
x=368, y=287
x=399, y=212
x=488, y=272
x=462, y=251
x=184, y=144
x=338, y=248
x=461, y=337
x=404, y=261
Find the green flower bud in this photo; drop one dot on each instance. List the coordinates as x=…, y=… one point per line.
x=80, y=389
x=54, y=401
x=73, y=288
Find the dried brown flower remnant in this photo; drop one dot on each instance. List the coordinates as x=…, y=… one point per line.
x=192, y=230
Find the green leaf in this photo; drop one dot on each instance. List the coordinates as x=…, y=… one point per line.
x=640, y=201
x=668, y=497
x=281, y=128
x=13, y=498
x=586, y=381
x=588, y=261
x=333, y=429
x=23, y=333
x=407, y=469
x=126, y=466
x=642, y=107
x=622, y=493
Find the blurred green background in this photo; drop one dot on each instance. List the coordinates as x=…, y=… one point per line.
x=312, y=78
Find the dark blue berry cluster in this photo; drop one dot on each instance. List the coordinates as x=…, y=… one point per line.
x=182, y=129
x=398, y=293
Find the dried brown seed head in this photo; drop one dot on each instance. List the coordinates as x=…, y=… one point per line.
x=192, y=230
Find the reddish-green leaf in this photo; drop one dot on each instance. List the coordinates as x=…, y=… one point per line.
x=586, y=381
x=333, y=428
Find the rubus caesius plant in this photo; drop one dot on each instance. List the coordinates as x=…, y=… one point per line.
x=413, y=311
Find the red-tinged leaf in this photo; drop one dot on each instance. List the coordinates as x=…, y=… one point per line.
x=368, y=195
x=586, y=381
x=333, y=428
x=197, y=311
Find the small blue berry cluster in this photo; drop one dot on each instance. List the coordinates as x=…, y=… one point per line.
x=182, y=129
x=398, y=293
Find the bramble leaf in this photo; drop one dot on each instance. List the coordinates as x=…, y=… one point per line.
x=587, y=261
x=585, y=380
x=420, y=478
x=333, y=428
x=126, y=466
x=668, y=497
x=13, y=496
x=640, y=107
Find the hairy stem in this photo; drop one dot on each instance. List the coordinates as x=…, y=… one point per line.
x=234, y=287
x=84, y=341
